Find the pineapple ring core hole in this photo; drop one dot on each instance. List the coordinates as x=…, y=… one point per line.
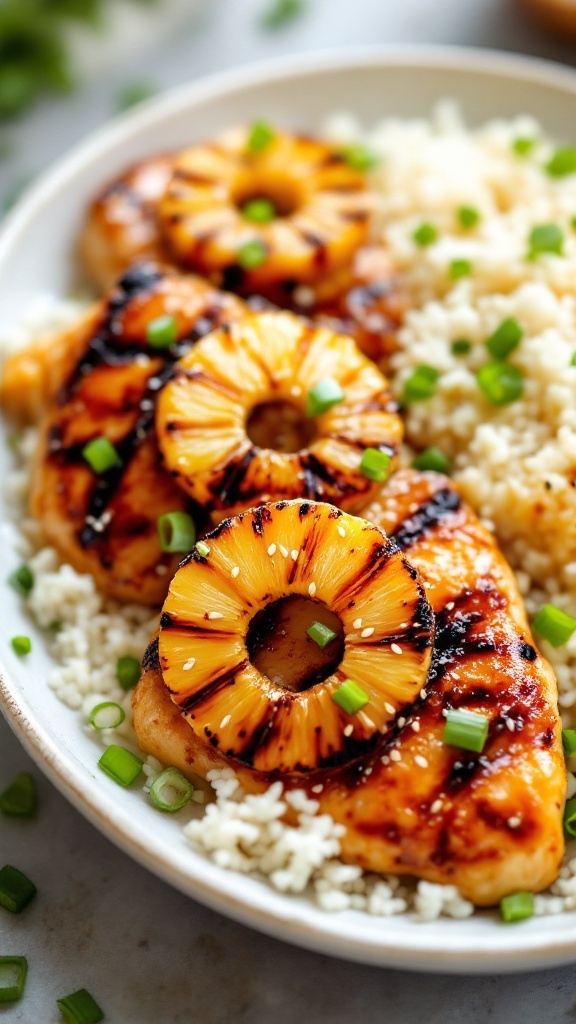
x=281, y=190
x=280, y=425
x=280, y=648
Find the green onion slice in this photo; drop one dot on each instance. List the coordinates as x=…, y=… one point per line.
x=162, y=332
x=350, y=697
x=101, y=455
x=517, y=907
x=573, y=359
x=80, y=1008
x=563, y=162
x=251, y=255
x=461, y=347
x=22, y=580
x=13, y=970
x=465, y=729
x=107, y=715
x=459, y=268
x=359, y=157
x=569, y=741
x=432, y=459
x=128, y=671
x=570, y=818
x=545, y=238
x=500, y=382
x=505, y=339
x=425, y=234
x=375, y=464
x=522, y=146
x=120, y=764
x=170, y=791
x=21, y=645
x=468, y=216
x=323, y=396
x=202, y=549
x=260, y=136
x=19, y=799
x=321, y=634
x=259, y=211
x=420, y=385
x=553, y=625
x=16, y=890
x=176, y=531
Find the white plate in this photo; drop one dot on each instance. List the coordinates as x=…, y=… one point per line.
x=36, y=254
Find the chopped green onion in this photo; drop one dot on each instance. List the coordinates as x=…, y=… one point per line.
x=432, y=459
x=133, y=94
x=517, y=907
x=120, y=764
x=13, y=442
x=22, y=580
x=16, y=890
x=468, y=216
x=420, y=385
x=569, y=741
x=170, y=791
x=19, y=799
x=350, y=697
x=323, y=396
x=523, y=146
x=101, y=455
x=465, y=729
x=461, y=347
x=55, y=626
x=375, y=464
x=572, y=225
x=321, y=634
x=545, y=238
x=570, y=817
x=563, y=162
x=505, y=339
x=553, y=625
x=21, y=645
x=573, y=359
x=425, y=234
x=260, y=136
x=177, y=532
x=162, y=332
x=128, y=671
x=80, y=1008
x=281, y=12
x=251, y=255
x=459, y=268
x=500, y=382
x=107, y=715
x=13, y=970
x=260, y=211
x=359, y=157
x=202, y=549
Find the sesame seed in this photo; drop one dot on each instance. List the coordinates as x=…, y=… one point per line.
x=401, y=722
x=318, y=788
x=235, y=572
x=348, y=730
x=420, y=761
x=395, y=648
x=312, y=589
x=225, y=721
x=304, y=295
x=423, y=694
x=404, y=624
x=450, y=606
x=368, y=631
x=294, y=554
x=390, y=709
x=341, y=531
x=215, y=615
x=385, y=759
x=436, y=806
x=189, y=664
x=415, y=725
x=427, y=585
x=395, y=755
x=161, y=570
x=295, y=391
x=357, y=623
x=181, y=460
x=510, y=724
x=272, y=550
x=283, y=551
x=515, y=821
x=368, y=771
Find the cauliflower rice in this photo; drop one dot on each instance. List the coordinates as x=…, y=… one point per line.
x=516, y=465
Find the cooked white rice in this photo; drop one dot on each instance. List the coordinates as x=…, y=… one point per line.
x=514, y=463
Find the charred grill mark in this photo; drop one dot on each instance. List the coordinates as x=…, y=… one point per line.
x=375, y=561
x=151, y=659
x=228, y=490
x=221, y=682
x=527, y=652
x=463, y=772
x=430, y=514
x=260, y=516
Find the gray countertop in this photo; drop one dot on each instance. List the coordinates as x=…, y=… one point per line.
x=148, y=954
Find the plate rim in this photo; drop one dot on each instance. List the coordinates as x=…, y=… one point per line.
x=208, y=884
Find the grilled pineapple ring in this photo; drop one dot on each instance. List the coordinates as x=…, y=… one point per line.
x=346, y=567
x=203, y=413
x=320, y=210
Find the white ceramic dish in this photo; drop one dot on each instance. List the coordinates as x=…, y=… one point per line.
x=36, y=254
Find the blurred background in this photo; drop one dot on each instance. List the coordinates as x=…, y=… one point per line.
x=67, y=66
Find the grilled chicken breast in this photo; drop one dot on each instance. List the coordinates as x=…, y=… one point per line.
x=489, y=823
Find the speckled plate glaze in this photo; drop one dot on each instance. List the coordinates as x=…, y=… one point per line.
x=37, y=255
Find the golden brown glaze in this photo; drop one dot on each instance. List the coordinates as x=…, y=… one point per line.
x=107, y=524
x=488, y=823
